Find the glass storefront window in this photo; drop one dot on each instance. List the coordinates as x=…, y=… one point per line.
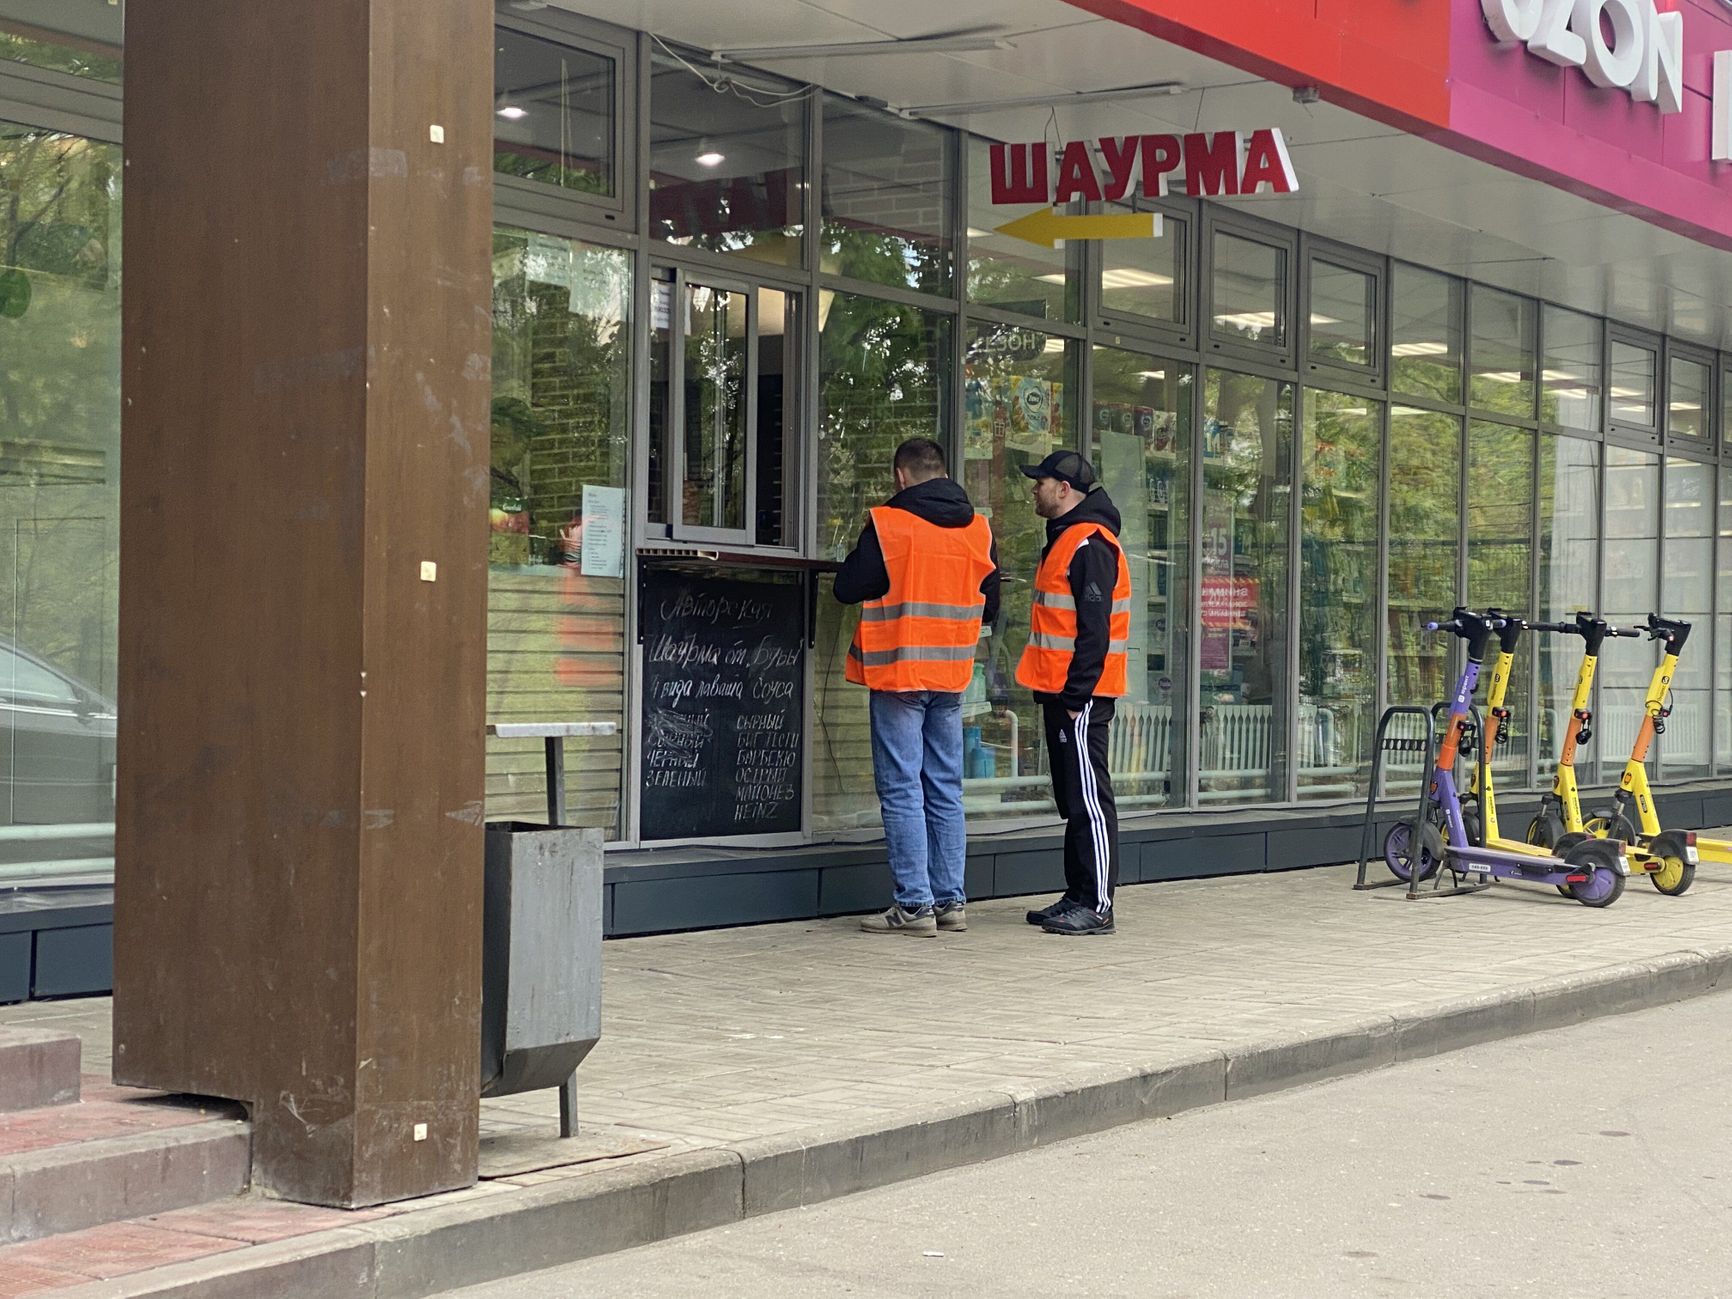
x=556, y=588
x=1249, y=297
x=1501, y=352
x=1500, y=554
x=1569, y=503
x=727, y=171
x=1011, y=273
x=1343, y=315
x=1020, y=403
x=1631, y=558
x=887, y=190
x=1338, y=668
x=1570, y=387
x=1722, y=654
x=79, y=37
x=1424, y=554
x=59, y=500
x=1687, y=566
x=884, y=376
x=1147, y=278
x=1634, y=370
x=1425, y=335
x=1246, y=509
x=1141, y=448
x=1687, y=388
x=554, y=113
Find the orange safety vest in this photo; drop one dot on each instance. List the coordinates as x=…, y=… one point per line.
x=921, y=634
x=1045, y=664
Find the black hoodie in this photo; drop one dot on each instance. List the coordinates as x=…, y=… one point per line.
x=937, y=500
x=1094, y=572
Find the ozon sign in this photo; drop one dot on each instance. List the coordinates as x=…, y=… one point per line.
x=1627, y=45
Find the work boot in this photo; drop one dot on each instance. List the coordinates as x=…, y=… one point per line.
x=1047, y=912
x=897, y=920
x=952, y=918
x=1079, y=920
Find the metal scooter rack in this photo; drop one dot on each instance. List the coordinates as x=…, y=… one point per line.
x=1386, y=743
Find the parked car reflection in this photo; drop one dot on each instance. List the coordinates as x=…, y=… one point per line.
x=57, y=739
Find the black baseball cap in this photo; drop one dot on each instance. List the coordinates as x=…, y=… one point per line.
x=1067, y=467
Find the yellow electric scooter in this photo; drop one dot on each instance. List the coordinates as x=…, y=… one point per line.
x=1560, y=811
x=1667, y=859
x=1497, y=728
x=1674, y=854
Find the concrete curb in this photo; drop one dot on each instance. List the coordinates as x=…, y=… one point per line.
x=497, y=1232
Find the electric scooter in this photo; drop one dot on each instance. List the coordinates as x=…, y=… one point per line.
x=1594, y=870
x=1676, y=852
x=1560, y=811
x=1497, y=729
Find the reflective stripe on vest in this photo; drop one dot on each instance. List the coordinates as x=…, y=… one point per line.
x=1046, y=660
x=921, y=634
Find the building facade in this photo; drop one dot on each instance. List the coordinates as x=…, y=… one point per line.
x=1466, y=340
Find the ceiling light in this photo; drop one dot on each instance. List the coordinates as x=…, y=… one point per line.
x=1125, y=277
x=1318, y=318
x=1503, y=376
x=1248, y=319
x=1420, y=349
x=512, y=113
x=710, y=158
x=1151, y=374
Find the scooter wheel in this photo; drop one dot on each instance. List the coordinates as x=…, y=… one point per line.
x=1611, y=827
x=1604, y=884
x=1398, y=854
x=1674, y=877
x=1540, y=832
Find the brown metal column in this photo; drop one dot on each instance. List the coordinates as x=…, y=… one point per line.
x=303, y=628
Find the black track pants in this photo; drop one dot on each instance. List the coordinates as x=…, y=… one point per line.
x=1084, y=790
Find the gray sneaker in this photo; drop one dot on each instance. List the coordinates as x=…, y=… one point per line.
x=919, y=924
x=952, y=917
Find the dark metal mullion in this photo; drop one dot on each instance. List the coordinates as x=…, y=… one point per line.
x=1295, y=555
x=674, y=488
x=749, y=515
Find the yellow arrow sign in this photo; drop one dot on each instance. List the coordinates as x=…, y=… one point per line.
x=1045, y=227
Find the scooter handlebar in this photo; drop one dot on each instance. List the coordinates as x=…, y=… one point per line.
x=1631, y=632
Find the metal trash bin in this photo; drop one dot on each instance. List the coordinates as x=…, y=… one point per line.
x=541, y=945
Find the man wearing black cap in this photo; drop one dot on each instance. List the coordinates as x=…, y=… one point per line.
x=1076, y=662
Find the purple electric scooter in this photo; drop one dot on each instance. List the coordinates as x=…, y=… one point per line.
x=1592, y=872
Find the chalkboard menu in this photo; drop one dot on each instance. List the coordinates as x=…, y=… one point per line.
x=723, y=687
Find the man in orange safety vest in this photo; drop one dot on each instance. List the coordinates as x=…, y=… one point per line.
x=1076, y=662
x=925, y=573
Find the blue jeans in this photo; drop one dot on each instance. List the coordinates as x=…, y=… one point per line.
x=917, y=767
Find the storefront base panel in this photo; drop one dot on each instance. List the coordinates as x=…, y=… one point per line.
x=58, y=942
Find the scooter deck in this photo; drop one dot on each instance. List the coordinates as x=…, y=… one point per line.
x=1517, y=865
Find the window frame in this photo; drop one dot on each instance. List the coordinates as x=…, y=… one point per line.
x=540, y=200
x=1228, y=347
x=1626, y=433
x=1325, y=371
x=1710, y=401
x=1182, y=333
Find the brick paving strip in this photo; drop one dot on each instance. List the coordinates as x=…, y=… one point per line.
x=748, y=1070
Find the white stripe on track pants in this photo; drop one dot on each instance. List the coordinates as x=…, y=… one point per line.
x=1084, y=790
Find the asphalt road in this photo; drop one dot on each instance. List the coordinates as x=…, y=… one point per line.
x=1594, y=1161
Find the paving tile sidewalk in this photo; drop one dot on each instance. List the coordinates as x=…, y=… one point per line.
x=727, y=1040
x=715, y=1037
